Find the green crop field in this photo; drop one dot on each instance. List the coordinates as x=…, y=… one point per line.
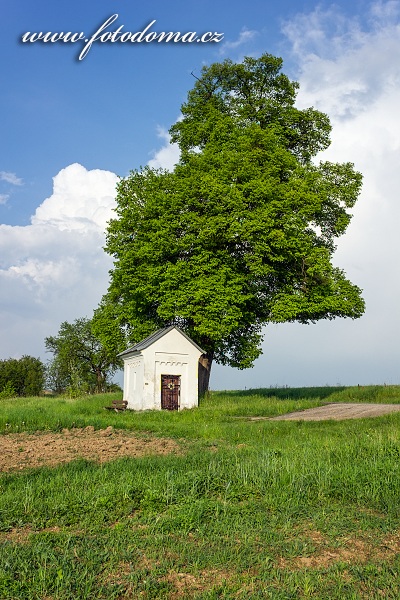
x=246, y=509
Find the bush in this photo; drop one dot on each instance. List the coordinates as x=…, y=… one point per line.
x=25, y=375
x=8, y=391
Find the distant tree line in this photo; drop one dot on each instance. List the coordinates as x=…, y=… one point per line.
x=80, y=364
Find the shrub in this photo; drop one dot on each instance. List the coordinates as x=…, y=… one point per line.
x=26, y=375
x=8, y=391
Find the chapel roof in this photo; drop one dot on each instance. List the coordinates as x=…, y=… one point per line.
x=156, y=336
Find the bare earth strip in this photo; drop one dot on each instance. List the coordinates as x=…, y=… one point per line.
x=338, y=411
x=22, y=450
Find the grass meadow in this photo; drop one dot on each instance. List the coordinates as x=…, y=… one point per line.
x=247, y=509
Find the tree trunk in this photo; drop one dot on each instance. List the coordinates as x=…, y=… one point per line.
x=100, y=380
x=205, y=363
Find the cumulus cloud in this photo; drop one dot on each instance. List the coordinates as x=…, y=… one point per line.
x=346, y=65
x=81, y=200
x=356, y=80
x=349, y=68
x=55, y=269
x=10, y=178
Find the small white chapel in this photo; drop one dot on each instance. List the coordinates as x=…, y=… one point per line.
x=161, y=371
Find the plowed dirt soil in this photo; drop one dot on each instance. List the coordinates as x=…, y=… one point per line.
x=21, y=450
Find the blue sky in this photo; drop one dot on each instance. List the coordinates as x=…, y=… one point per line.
x=69, y=127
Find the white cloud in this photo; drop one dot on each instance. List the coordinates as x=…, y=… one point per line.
x=245, y=36
x=4, y=198
x=344, y=68
x=55, y=269
x=168, y=155
x=10, y=178
x=81, y=200
x=349, y=68
x=385, y=12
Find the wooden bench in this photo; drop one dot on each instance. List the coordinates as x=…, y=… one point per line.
x=117, y=405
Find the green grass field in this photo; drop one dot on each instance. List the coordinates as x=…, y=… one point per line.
x=248, y=509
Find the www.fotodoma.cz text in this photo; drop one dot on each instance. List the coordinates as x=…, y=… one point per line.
x=104, y=35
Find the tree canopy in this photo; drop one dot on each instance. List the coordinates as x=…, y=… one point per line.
x=80, y=361
x=242, y=232
x=24, y=376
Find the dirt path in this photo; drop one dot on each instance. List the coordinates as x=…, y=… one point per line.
x=338, y=411
x=21, y=450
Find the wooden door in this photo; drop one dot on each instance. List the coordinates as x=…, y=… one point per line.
x=170, y=391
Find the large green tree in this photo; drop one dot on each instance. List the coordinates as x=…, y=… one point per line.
x=80, y=361
x=242, y=232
